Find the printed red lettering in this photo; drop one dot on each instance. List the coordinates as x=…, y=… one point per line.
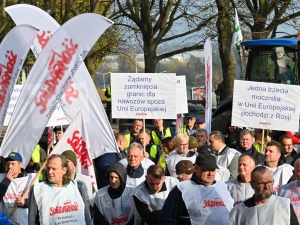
x=119, y=220
x=6, y=75
x=58, y=66
x=213, y=203
x=79, y=147
x=71, y=92
x=44, y=38
x=63, y=209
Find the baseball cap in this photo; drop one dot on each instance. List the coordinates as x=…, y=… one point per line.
x=206, y=162
x=190, y=115
x=184, y=166
x=14, y=156
x=58, y=128
x=193, y=142
x=205, y=149
x=200, y=120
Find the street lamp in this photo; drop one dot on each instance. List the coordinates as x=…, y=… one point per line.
x=103, y=76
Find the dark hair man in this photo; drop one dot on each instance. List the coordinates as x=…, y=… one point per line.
x=226, y=157
x=281, y=172
x=149, y=197
x=180, y=206
x=111, y=202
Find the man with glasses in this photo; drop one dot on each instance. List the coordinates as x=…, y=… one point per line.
x=288, y=151
x=280, y=171
x=263, y=207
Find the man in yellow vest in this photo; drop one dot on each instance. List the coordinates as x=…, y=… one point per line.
x=108, y=104
x=154, y=151
x=190, y=127
x=137, y=126
x=160, y=132
x=37, y=159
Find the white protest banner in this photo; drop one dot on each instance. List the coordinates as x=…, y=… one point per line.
x=48, y=79
x=143, y=95
x=81, y=94
x=58, y=117
x=265, y=105
x=208, y=83
x=13, y=52
x=181, y=95
x=76, y=139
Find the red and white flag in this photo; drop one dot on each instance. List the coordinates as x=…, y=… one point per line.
x=79, y=95
x=48, y=79
x=13, y=51
x=76, y=139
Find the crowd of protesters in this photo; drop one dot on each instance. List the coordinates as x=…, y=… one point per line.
x=163, y=177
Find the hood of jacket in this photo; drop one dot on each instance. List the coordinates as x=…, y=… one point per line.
x=119, y=169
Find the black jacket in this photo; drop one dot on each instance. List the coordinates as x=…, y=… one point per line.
x=259, y=158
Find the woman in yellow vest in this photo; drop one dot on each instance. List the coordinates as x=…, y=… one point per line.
x=168, y=147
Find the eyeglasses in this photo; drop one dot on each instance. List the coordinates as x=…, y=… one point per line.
x=183, y=145
x=263, y=184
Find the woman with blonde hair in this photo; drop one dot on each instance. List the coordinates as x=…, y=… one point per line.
x=182, y=152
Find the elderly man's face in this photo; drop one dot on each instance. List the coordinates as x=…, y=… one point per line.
x=55, y=172
x=245, y=166
x=206, y=176
x=134, y=157
x=263, y=185
x=246, y=141
x=201, y=138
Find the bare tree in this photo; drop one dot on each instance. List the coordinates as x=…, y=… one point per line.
x=263, y=17
x=225, y=30
x=154, y=22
